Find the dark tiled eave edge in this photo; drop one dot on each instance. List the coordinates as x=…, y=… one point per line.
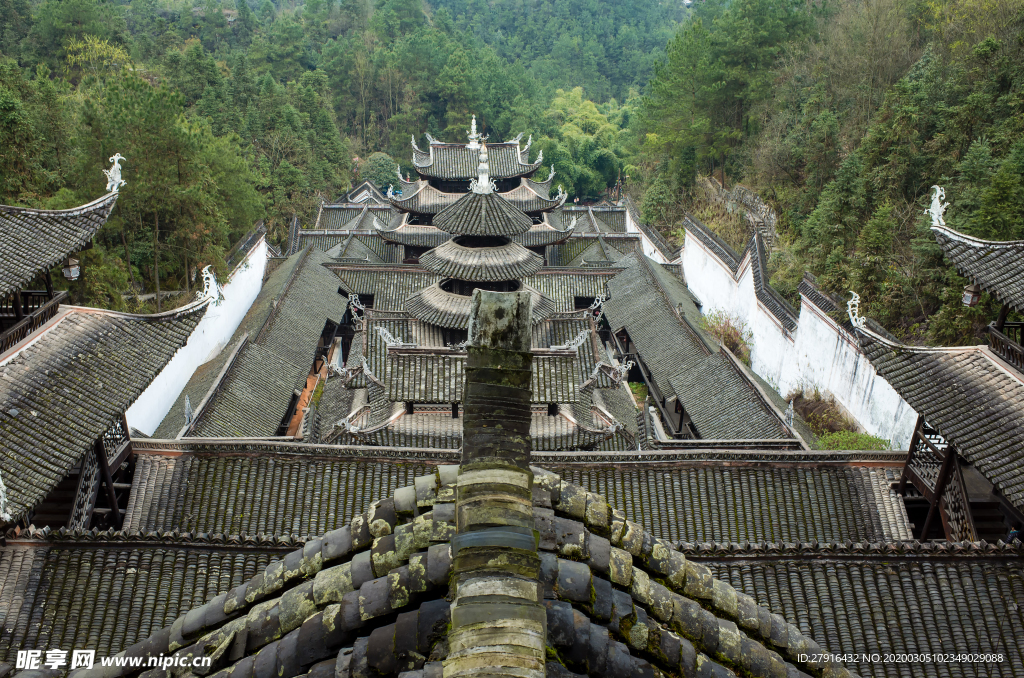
x=70, y=238
x=677, y=457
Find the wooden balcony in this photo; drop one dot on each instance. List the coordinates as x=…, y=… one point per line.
x=1007, y=343
x=35, y=309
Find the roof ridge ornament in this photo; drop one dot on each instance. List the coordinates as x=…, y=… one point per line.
x=391, y=340
x=938, y=208
x=529, y=142
x=483, y=184
x=574, y=343
x=853, y=310
x=114, y=180
x=474, y=137
x=430, y=139
x=414, y=146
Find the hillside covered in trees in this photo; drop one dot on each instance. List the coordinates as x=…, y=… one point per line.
x=841, y=114
x=237, y=110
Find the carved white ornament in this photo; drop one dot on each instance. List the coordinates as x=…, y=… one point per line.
x=391, y=189
x=211, y=290
x=574, y=344
x=529, y=142
x=390, y=339
x=4, y=515
x=461, y=346
x=598, y=307
x=474, y=136
x=938, y=208
x=114, y=180
x=619, y=372
x=853, y=310
x=188, y=411
x=483, y=184
x=790, y=414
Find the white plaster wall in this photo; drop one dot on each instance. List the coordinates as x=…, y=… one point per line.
x=648, y=247
x=818, y=353
x=210, y=336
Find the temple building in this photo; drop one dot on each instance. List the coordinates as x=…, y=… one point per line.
x=425, y=453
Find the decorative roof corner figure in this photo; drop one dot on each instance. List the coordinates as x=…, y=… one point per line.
x=790, y=414
x=189, y=413
x=211, y=290
x=938, y=208
x=853, y=310
x=391, y=189
x=114, y=180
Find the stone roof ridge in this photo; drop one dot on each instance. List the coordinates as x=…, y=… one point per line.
x=34, y=240
x=300, y=614
x=979, y=242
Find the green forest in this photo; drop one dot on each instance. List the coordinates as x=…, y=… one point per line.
x=840, y=113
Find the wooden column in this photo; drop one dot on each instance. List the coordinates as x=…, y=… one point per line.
x=910, y=454
x=940, y=485
x=101, y=460
x=1001, y=318
x=498, y=623
x=19, y=312
x=49, y=285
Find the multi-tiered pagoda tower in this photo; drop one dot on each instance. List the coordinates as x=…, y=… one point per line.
x=480, y=255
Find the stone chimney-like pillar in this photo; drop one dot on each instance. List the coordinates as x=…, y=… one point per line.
x=498, y=625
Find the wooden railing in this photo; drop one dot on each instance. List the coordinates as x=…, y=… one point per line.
x=1007, y=344
x=37, y=309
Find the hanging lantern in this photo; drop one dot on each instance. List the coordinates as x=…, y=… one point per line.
x=71, y=269
x=972, y=293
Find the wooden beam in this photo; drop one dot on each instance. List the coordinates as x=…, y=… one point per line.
x=19, y=312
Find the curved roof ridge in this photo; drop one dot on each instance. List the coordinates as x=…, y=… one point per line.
x=34, y=240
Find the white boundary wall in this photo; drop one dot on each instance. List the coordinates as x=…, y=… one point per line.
x=818, y=353
x=210, y=336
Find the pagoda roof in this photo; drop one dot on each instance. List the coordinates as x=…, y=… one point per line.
x=973, y=398
x=365, y=192
x=482, y=214
x=658, y=312
x=354, y=249
x=997, y=266
x=34, y=241
x=460, y=161
x=425, y=377
x=439, y=307
x=366, y=596
x=549, y=232
x=72, y=380
x=511, y=261
x=430, y=200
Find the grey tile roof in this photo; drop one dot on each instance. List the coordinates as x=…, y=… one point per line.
x=582, y=246
x=326, y=241
x=896, y=605
x=456, y=161
x=257, y=390
x=355, y=249
x=429, y=200
x=683, y=362
x=70, y=382
x=482, y=214
x=249, y=495
x=106, y=597
x=998, y=267
x=971, y=397
x=510, y=261
x=348, y=216
x=369, y=597
x=33, y=241
x=716, y=503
